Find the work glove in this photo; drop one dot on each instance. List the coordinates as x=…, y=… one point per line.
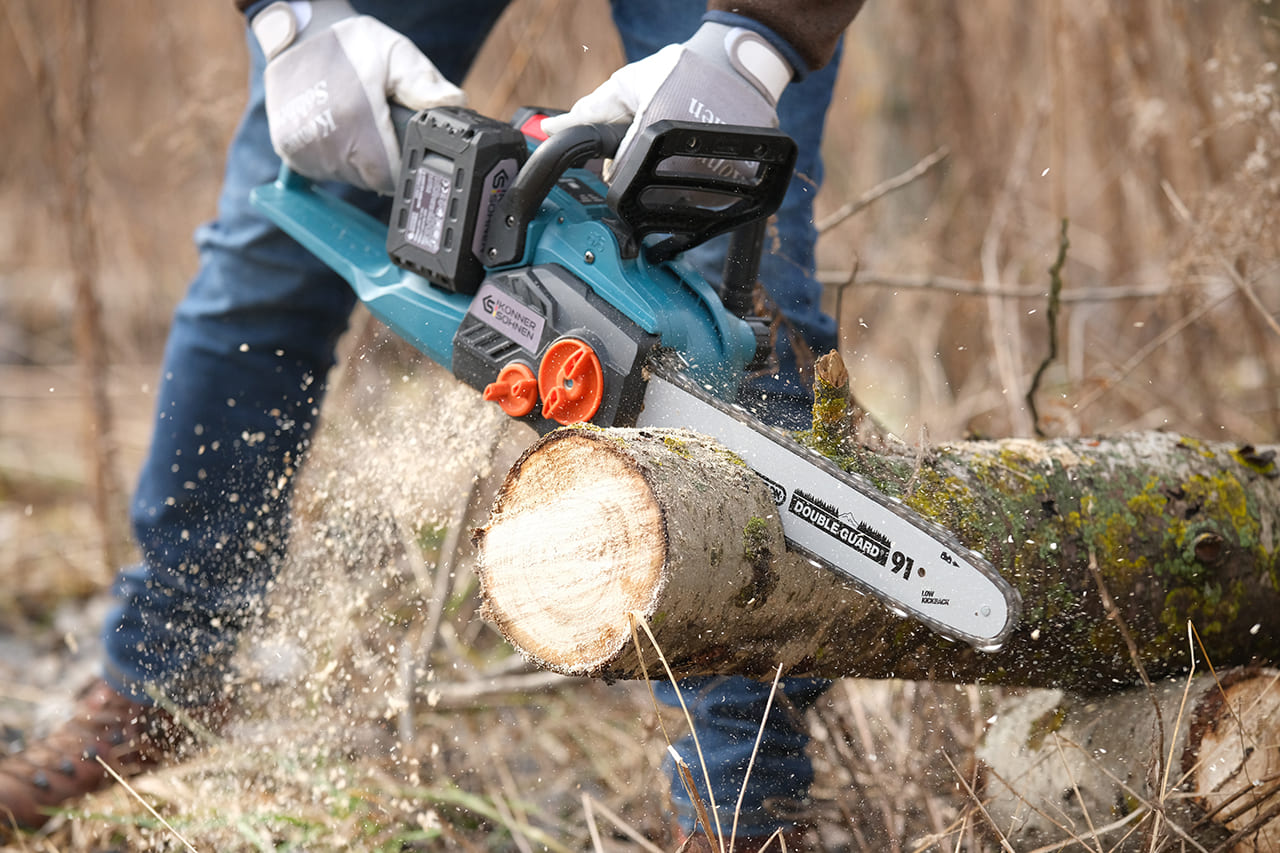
x=329, y=75
x=721, y=75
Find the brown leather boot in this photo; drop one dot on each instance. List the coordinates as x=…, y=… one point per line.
x=48, y=774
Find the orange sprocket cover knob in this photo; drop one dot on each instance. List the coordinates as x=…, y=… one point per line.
x=571, y=381
x=515, y=390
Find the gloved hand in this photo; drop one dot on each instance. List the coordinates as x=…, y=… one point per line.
x=328, y=78
x=722, y=75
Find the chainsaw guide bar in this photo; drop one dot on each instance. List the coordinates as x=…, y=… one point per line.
x=840, y=521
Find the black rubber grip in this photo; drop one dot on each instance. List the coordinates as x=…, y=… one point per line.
x=570, y=148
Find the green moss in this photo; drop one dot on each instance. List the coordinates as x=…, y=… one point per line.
x=1212, y=609
x=729, y=456
x=1223, y=495
x=940, y=497
x=1257, y=463
x=830, y=413
x=1057, y=601
x=755, y=548
x=755, y=538
x=676, y=445
x=1197, y=446
x=613, y=435
x=1045, y=725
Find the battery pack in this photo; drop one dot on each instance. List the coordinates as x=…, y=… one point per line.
x=455, y=167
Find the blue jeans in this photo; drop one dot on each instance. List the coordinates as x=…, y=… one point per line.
x=244, y=378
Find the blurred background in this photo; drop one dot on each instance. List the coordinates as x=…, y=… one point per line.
x=976, y=152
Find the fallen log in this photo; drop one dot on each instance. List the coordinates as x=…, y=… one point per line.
x=595, y=525
x=1185, y=759
x=1115, y=545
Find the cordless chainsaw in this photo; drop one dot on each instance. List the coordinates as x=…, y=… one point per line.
x=563, y=299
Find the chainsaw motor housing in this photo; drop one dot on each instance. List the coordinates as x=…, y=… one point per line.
x=525, y=323
x=508, y=260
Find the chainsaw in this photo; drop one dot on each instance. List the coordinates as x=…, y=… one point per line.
x=564, y=299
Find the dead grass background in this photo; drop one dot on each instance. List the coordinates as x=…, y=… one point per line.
x=1152, y=127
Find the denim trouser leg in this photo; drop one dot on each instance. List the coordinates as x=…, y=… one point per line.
x=242, y=382
x=727, y=712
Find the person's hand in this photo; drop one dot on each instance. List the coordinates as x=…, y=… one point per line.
x=329, y=75
x=722, y=75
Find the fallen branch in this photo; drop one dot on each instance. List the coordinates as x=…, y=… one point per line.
x=1212, y=776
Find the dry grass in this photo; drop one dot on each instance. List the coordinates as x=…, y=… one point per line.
x=382, y=719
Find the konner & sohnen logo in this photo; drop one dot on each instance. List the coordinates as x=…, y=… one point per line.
x=503, y=313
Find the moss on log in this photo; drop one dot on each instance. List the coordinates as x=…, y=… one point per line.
x=1177, y=531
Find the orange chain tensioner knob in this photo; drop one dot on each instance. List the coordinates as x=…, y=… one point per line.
x=515, y=390
x=571, y=381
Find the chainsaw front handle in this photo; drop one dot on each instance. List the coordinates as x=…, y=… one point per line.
x=569, y=149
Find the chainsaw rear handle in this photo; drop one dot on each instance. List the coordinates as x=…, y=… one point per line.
x=689, y=180
x=570, y=148
x=693, y=181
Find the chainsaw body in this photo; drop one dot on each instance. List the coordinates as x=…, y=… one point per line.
x=510, y=264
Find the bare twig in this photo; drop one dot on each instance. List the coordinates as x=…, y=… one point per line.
x=412, y=653
x=1055, y=303
x=1113, y=613
x=883, y=188
x=594, y=831
x=977, y=801
x=1101, y=831
x=465, y=694
x=124, y=784
x=742, y=792
x=1246, y=287
x=82, y=235
x=713, y=833
x=1141, y=355
x=1075, y=788
x=968, y=287
x=591, y=805
x=1005, y=331
x=69, y=119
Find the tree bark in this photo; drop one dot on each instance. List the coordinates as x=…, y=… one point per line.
x=1116, y=545
x=1186, y=759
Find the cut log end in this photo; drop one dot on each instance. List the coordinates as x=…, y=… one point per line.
x=1108, y=752
x=576, y=542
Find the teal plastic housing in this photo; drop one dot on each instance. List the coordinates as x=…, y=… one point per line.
x=669, y=299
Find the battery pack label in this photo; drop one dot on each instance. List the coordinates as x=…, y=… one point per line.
x=515, y=320
x=424, y=225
